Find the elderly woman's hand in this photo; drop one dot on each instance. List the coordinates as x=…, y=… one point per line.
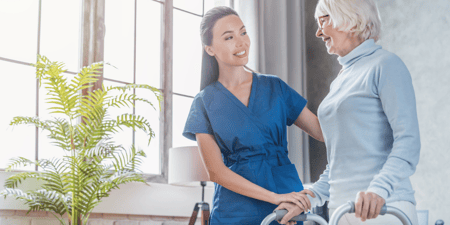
x=293, y=210
x=368, y=205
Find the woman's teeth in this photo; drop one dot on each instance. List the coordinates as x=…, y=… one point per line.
x=240, y=53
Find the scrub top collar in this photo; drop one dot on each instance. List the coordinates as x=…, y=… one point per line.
x=238, y=102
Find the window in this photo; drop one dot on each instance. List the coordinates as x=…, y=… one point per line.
x=47, y=27
x=133, y=41
x=132, y=45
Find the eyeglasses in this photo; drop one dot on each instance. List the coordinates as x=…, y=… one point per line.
x=322, y=20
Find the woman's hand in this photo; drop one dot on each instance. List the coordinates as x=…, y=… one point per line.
x=368, y=205
x=298, y=198
x=293, y=210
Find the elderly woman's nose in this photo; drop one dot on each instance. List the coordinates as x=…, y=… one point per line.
x=319, y=32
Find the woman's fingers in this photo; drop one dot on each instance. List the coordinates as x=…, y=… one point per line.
x=358, y=205
x=368, y=205
x=380, y=204
x=298, y=203
x=292, y=211
x=305, y=203
x=309, y=192
x=365, y=207
x=372, y=208
x=293, y=197
x=281, y=206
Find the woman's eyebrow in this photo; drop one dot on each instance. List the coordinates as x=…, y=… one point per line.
x=229, y=31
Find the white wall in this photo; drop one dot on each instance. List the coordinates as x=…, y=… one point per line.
x=418, y=32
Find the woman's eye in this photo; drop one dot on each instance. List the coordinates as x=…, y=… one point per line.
x=244, y=33
x=228, y=38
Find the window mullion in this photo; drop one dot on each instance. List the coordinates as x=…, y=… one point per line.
x=92, y=36
x=167, y=86
x=36, y=155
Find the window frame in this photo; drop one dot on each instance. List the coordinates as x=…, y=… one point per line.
x=91, y=49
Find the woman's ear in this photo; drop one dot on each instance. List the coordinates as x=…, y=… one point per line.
x=210, y=50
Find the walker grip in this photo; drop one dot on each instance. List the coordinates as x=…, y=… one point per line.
x=352, y=208
x=282, y=212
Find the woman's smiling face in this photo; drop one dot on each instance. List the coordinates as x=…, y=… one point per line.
x=337, y=42
x=230, y=43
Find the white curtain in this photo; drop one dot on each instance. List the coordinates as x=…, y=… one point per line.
x=276, y=30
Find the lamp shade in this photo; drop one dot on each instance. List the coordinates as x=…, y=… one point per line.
x=186, y=167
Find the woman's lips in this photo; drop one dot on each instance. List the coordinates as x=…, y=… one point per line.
x=327, y=41
x=241, y=54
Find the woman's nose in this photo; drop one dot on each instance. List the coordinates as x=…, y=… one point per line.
x=319, y=32
x=240, y=42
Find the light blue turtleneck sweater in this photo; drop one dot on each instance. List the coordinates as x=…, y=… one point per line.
x=369, y=122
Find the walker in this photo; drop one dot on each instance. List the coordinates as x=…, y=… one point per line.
x=346, y=208
x=350, y=208
x=279, y=214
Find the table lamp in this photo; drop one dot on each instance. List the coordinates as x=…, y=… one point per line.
x=186, y=168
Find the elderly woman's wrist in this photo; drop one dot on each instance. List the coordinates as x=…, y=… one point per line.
x=383, y=193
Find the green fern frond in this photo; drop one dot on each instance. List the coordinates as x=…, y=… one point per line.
x=135, y=121
x=16, y=193
x=14, y=180
x=127, y=100
x=56, y=175
x=155, y=91
x=17, y=162
x=87, y=76
x=18, y=120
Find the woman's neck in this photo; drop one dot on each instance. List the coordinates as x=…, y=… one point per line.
x=232, y=76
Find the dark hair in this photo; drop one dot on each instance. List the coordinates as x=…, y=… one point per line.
x=210, y=67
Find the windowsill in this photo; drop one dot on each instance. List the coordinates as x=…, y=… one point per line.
x=133, y=198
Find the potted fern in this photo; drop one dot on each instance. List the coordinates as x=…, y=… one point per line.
x=93, y=164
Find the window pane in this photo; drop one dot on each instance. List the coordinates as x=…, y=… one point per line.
x=151, y=164
x=60, y=31
x=46, y=149
x=119, y=40
x=19, y=23
x=187, y=53
x=181, y=107
x=148, y=40
x=125, y=136
x=213, y=3
x=19, y=97
x=193, y=6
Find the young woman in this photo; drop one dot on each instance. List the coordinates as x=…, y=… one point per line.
x=239, y=121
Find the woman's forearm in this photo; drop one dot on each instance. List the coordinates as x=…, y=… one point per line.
x=236, y=183
x=221, y=174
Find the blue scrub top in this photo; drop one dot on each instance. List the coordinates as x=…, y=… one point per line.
x=252, y=141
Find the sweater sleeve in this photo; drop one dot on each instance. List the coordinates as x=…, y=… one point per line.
x=321, y=189
x=396, y=94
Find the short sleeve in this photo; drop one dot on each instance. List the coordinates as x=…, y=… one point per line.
x=294, y=102
x=197, y=121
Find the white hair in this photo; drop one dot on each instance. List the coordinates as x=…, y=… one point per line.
x=358, y=16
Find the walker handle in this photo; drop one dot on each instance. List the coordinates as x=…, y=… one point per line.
x=350, y=208
x=282, y=212
x=279, y=214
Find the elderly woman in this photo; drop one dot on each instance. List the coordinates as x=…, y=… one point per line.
x=368, y=119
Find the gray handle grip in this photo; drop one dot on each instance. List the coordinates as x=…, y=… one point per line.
x=282, y=212
x=279, y=214
x=350, y=208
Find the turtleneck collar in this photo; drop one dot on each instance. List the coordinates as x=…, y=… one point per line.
x=364, y=49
